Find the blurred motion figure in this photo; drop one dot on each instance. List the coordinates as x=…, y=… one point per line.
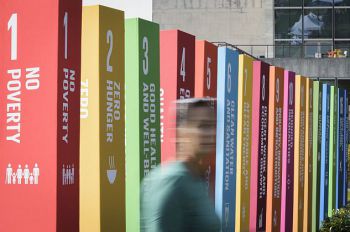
x=174, y=196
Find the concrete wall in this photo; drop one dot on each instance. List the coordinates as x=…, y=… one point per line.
x=315, y=68
x=242, y=22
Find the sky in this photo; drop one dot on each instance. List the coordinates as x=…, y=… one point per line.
x=132, y=8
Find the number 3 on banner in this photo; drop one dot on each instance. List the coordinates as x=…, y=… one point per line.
x=12, y=25
x=145, y=60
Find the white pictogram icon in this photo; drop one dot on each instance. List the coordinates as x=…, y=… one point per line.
x=261, y=218
x=26, y=174
x=112, y=171
x=275, y=218
x=68, y=174
x=19, y=174
x=15, y=176
x=227, y=214
x=36, y=174
x=8, y=174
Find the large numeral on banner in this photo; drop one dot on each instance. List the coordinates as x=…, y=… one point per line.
x=110, y=42
x=12, y=25
x=208, y=72
x=302, y=95
x=65, y=24
x=245, y=81
x=183, y=65
x=277, y=90
x=310, y=98
x=291, y=93
x=229, y=77
x=145, y=60
x=263, y=91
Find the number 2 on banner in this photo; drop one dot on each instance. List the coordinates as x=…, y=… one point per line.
x=12, y=25
x=110, y=42
x=65, y=24
x=183, y=65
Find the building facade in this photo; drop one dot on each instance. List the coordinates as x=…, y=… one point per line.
x=264, y=28
x=311, y=27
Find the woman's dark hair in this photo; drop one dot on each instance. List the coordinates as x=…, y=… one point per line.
x=186, y=107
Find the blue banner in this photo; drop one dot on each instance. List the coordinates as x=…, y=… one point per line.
x=226, y=166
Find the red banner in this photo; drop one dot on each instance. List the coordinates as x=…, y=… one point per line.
x=206, y=86
x=39, y=115
x=177, y=56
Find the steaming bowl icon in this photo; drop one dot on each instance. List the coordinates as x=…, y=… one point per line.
x=112, y=171
x=111, y=174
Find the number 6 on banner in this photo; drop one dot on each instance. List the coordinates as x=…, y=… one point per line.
x=12, y=25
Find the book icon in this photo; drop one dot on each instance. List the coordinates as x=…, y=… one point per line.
x=112, y=171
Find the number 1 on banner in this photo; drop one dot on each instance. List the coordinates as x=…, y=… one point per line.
x=65, y=24
x=12, y=25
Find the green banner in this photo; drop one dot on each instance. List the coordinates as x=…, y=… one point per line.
x=142, y=111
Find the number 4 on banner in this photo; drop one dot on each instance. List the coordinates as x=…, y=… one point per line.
x=183, y=63
x=12, y=25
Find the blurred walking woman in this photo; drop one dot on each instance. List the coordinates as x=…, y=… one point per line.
x=174, y=195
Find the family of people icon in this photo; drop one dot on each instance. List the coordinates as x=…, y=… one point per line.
x=16, y=176
x=68, y=174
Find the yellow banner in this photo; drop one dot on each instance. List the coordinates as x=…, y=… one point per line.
x=102, y=149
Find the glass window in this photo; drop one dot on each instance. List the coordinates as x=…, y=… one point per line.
x=319, y=2
x=342, y=2
x=318, y=23
x=288, y=24
x=344, y=47
x=342, y=23
x=284, y=3
x=288, y=49
x=317, y=49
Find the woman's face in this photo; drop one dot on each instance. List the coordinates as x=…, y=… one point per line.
x=197, y=137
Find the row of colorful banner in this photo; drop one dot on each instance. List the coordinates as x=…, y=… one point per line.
x=281, y=147
x=280, y=160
